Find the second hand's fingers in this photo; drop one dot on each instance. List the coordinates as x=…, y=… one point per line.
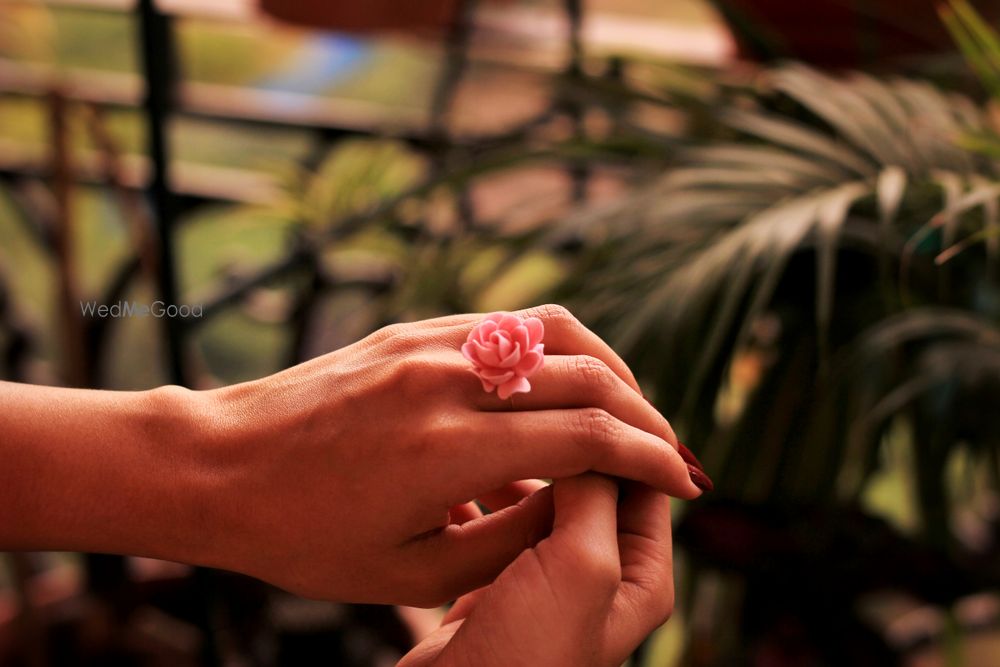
x=511, y=494
x=463, y=606
x=644, y=523
x=472, y=554
x=463, y=513
x=646, y=595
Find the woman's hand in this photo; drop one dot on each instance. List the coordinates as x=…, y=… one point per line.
x=352, y=476
x=586, y=595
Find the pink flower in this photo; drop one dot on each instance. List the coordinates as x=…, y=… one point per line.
x=505, y=351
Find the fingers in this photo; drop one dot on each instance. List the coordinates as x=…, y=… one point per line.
x=581, y=556
x=646, y=596
x=511, y=494
x=426, y=653
x=473, y=553
x=586, y=517
x=505, y=496
x=564, y=334
x=586, y=511
x=645, y=534
x=464, y=513
x=584, y=381
x=463, y=606
x=560, y=443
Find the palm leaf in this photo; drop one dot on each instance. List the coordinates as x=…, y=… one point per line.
x=977, y=41
x=784, y=220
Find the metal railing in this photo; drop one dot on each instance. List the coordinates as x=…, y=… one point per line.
x=153, y=191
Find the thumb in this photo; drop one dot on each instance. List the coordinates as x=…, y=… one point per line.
x=584, y=541
x=586, y=509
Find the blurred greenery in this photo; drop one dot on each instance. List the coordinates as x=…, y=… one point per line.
x=801, y=268
x=801, y=273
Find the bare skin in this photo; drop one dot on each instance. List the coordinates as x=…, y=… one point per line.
x=350, y=477
x=585, y=595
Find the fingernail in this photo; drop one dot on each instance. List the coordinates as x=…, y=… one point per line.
x=700, y=479
x=689, y=457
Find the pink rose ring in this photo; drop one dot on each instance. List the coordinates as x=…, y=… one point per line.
x=505, y=351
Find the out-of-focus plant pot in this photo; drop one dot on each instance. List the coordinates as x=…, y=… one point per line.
x=840, y=33
x=365, y=15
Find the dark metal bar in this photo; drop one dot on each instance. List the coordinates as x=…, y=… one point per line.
x=158, y=66
x=456, y=61
x=159, y=70
x=304, y=314
x=35, y=206
x=74, y=360
x=574, y=16
x=579, y=173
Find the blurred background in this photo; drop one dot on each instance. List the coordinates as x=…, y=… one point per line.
x=784, y=215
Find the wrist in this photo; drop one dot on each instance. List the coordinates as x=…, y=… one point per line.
x=190, y=440
x=147, y=483
x=157, y=480
x=90, y=470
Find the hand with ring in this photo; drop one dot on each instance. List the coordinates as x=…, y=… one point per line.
x=362, y=466
x=358, y=476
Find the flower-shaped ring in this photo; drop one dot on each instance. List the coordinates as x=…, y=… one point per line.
x=505, y=351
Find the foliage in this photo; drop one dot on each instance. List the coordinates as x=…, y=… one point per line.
x=819, y=217
x=821, y=275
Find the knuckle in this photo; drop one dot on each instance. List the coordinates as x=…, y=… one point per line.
x=387, y=333
x=598, y=428
x=410, y=367
x=411, y=375
x=602, y=570
x=440, y=429
x=434, y=438
x=402, y=340
x=595, y=373
x=552, y=312
x=394, y=330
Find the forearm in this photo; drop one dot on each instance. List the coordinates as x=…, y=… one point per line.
x=115, y=472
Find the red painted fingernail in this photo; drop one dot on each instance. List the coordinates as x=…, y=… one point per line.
x=700, y=479
x=689, y=456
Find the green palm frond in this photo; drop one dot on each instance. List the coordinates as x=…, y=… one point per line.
x=977, y=40
x=908, y=356
x=824, y=210
x=939, y=369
